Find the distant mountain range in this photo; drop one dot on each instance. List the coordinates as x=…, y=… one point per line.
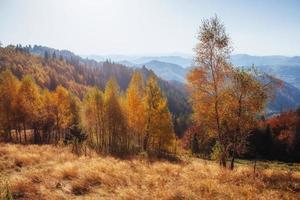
x=248, y=60
x=282, y=67
x=175, y=68
x=165, y=70
x=286, y=97
x=184, y=60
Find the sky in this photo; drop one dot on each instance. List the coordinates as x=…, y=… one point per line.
x=147, y=27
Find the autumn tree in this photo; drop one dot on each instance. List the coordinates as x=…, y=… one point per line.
x=285, y=131
x=48, y=116
x=61, y=103
x=116, y=139
x=135, y=109
x=76, y=136
x=244, y=99
x=29, y=106
x=207, y=80
x=8, y=91
x=226, y=100
x=159, y=133
x=93, y=117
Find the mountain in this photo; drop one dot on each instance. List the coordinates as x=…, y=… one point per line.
x=183, y=60
x=178, y=60
x=167, y=71
x=248, y=60
x=186, y=60
x=287, y=97
x=288, y=73
x=282, y=67
x=128, y=64
x=112, y=57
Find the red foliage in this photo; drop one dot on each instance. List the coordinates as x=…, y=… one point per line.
x=284, y=120
x=284, y=127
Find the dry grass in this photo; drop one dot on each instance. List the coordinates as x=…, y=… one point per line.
x=46, y=172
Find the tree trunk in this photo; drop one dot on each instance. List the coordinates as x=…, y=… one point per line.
x=15, y=137
x=18, y=133
x=10, y=135
x=37, y=136
x=25, y=137
x=223, y=160
x=145, y=142
x=232, y=162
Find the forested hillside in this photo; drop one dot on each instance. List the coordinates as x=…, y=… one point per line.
x=50, y=68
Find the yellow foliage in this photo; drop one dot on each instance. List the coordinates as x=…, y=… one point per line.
x=159, y=129
x=135, y=109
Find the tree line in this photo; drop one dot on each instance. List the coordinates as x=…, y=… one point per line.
x=108, y=121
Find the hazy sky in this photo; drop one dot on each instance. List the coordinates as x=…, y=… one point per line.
x=258, y=27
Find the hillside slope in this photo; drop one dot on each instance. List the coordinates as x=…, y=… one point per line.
x=283, y=67
x=50, y=68
x=77, y=74
x=47, y=172
x=167, y=71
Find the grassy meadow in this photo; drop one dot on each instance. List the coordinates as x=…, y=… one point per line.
x=48, y=172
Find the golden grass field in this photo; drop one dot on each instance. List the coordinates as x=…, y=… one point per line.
x=48, y=172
